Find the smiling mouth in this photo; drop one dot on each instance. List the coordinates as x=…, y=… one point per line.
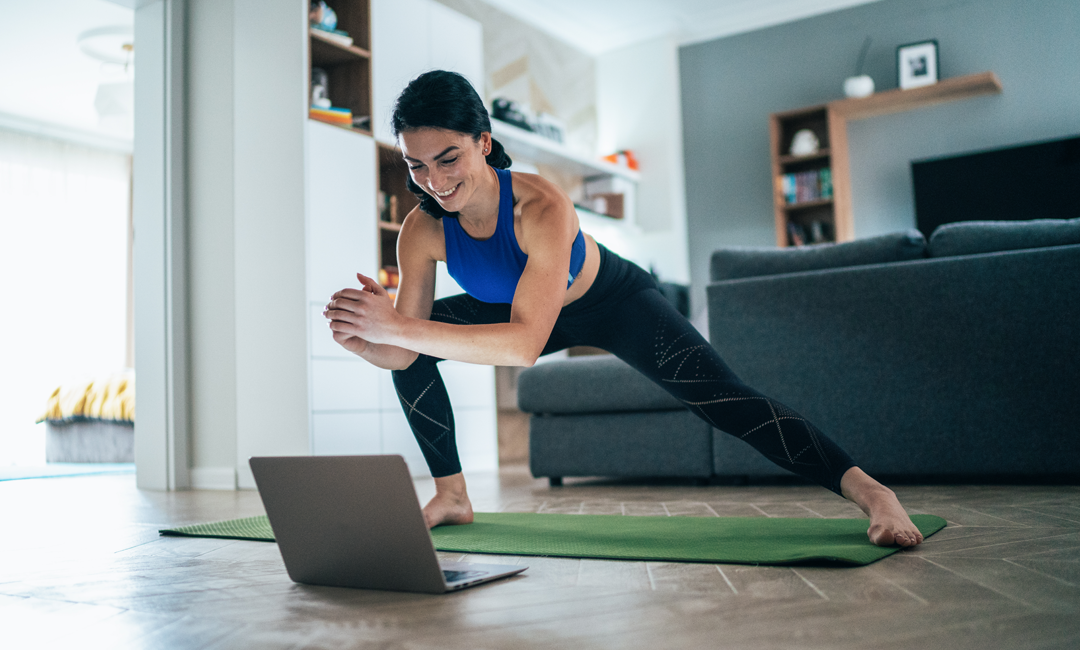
x=447, y=193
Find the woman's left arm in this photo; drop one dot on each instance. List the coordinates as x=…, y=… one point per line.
x=548, y=228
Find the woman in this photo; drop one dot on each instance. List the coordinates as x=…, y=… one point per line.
x=535, y=283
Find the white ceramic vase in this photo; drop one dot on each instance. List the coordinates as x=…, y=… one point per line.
x=860, y=86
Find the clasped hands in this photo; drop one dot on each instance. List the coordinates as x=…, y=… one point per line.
x=361, y=316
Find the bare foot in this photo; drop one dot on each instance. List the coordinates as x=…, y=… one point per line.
x=889, y=522
x=451, y=504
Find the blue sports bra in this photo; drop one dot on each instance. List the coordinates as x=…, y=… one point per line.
x=489, y=270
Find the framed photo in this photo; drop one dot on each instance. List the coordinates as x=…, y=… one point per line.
x=917, y=64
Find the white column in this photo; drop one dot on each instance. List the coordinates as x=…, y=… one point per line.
x=270, y=109
x=161, y=436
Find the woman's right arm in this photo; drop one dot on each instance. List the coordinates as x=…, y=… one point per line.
x=418, y=248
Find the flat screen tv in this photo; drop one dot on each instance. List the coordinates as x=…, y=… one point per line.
x=1032, y=181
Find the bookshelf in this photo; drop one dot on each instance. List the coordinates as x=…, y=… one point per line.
x=803, y=203
x=349, y=86
x=352, y=226
x=347, y=66
x=832, y=214
x=394, y=202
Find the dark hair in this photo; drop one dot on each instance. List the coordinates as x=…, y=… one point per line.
x=443, y=100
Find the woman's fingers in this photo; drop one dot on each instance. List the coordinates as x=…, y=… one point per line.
x=371, y=285
x=338, y=315
x=349, y=294
x=350, y=303
x=349, y=313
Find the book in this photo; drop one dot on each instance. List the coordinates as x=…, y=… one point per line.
x=796, y=234
x=825, y=178
x=787, y=188
x=339, y=116
x=804, y=187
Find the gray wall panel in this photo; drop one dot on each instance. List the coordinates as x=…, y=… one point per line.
x=730, y=85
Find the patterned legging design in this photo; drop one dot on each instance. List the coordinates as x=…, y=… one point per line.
x=624, y=314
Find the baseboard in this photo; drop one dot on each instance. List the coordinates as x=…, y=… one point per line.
x=213, y=478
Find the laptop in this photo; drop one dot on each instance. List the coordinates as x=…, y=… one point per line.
x=355, y=521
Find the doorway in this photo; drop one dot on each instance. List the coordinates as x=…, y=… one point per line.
x=66, y=142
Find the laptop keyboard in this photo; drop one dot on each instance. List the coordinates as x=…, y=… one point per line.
x=454, y=576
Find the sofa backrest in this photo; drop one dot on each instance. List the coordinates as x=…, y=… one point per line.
x=745, y=262
x=974, y=237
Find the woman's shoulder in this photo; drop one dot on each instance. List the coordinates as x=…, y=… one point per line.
x=421, y=231
x=534, y=195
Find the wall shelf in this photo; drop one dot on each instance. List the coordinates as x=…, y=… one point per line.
x=792, y=160
x=804, y=205
x=543, y=151
x=326, y=51
x=898, y=100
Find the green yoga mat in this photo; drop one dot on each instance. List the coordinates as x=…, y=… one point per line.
x=724, y=540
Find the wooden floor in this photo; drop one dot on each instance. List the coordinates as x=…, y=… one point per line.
x=82, y=565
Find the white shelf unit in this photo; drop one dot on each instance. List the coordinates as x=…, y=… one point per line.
x=353, y=405
x=544, y=151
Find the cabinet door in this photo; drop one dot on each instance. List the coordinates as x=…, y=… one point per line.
x=397, y=438
x=338, y=434
x=344, y=385
x=457, y=44
x=400, y=50
x=341, y=226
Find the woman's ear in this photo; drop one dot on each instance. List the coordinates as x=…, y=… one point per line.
x=485, y=143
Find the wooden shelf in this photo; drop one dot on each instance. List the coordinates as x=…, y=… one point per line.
x=328, y=52
x=829, y=123
x=541, y=150
x=789, y=160
x=897, y=100
x=805, y=205
x=366, y=132
x=386, y=225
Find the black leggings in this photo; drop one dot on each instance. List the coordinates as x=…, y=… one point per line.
x=624, y=314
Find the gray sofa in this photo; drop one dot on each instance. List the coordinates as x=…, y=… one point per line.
x=956, y=359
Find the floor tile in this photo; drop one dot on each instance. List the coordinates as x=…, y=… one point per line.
x=1003, y=574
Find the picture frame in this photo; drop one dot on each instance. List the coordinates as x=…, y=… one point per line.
x=917, y=64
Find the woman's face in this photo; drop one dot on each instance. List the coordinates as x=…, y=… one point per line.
x=448, y=165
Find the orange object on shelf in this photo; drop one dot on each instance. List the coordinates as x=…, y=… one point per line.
x=388, y=277
x=624, y=158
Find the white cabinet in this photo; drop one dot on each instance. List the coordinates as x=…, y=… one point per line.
x=340, y=187
x=354, y=406
x=341, y=224
x=409, y=37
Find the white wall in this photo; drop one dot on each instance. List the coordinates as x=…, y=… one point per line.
x=638, y=108
x=211, y=238
x=270, y=95
x=246, y=221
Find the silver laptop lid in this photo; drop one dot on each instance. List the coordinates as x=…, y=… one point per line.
x=348, y=521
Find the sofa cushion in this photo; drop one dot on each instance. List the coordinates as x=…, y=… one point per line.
x=656, y=443
x=595, y=384
x=973, y=237
x=745, y=262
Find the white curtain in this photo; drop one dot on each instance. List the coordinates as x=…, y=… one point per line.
x=64, y=211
